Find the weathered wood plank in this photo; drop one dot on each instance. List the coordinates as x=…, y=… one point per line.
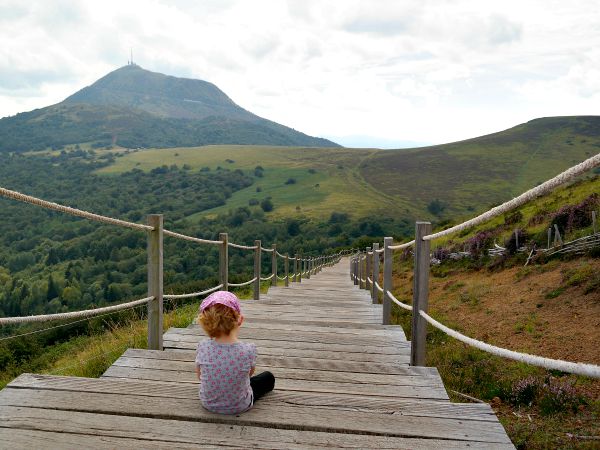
x=294, y=373
x=27, y=428
x=309, y=343
x=289, y=384
x=432, y=408
x=271, y=416
x=299, y=363
x=302, y=353
x=322, y=337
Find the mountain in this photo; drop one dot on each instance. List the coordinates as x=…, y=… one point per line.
x=133, y=107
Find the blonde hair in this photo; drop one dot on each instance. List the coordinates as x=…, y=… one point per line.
x=218, y=320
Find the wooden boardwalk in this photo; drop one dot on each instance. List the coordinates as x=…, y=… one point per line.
x=343, y=381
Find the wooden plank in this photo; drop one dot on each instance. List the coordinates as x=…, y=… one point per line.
x=271, y=416
x=304, y=353
x=317, y=337
x=27, y=428
x=358, y=347
x=292, y=362
x=288, y=384
x=431, y=408
x=295, y=373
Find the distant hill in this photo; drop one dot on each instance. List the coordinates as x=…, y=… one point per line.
x=467, y=176
x=133, y=107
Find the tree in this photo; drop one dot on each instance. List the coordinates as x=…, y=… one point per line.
x=267, y=205
x=52, y=291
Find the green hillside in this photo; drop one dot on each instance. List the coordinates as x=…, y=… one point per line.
x=437, y=183
x=470, y=175
x=133, y=107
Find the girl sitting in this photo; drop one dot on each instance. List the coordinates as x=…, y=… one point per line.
x=225, y=365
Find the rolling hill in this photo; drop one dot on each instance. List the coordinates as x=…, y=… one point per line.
x=133, y=107
x=434, y=183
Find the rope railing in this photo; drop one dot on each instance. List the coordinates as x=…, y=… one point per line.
x=73, y=315
x=193, y=294
x=398, y=302
x=242, y=247
x=589, y=370
x=401, y=246
x=267, y=278
x=72, y=211
x=243, y=284
x=364, y=266
x=268, y=250
x=543, y=188
x=191, y=238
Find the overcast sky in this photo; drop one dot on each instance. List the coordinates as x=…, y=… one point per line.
x=363, y=73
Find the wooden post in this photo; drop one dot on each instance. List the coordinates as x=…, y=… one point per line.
x=295, y=279
x=274, y=266
x=155, y=282
x=300, y=264
x=257, y=256
x=557, y=235
x=420, y=294
x=224, y=262
x=516, y=241
x=375, y=275
x=369, y=269
x=308, y=261
x=355, y=270
x=387, y=281
x=594, y=221
x=549, y=236
x=286, y=268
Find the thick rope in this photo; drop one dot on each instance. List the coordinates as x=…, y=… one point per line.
x=190, y=238
x=280, y=255
x=267, y=278
x=381, y=250
x=193, y=294
x=369, y=279
x=379, y=288
x=543, y=188
x=401, y=246
x=242, y=247
x=398, y=302
x=268, y=250
x=243, y=284
x=72, y=211
x=72, y=315
x=588, y=370
x=280, y=278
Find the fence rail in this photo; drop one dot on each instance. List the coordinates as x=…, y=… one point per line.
x=365, y=273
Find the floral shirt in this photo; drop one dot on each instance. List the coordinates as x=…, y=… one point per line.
x=225, y=375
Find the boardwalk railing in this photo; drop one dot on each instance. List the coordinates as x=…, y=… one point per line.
x=302, y=267
x=365, y=272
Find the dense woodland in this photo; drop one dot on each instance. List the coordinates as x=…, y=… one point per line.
x=51, y=262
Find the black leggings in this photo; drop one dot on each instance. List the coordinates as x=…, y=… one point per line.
x=261, y=384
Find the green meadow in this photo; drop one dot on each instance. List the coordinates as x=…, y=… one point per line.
x=324, y=179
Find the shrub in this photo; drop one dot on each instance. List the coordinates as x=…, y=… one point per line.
x=253, y=202
x=436, y=207
x=524, y=391
x=266, y=205
x=291, y=181
x=558, y=396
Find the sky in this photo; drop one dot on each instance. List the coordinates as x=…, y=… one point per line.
x=374, y=73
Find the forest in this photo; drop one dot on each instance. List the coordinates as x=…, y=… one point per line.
x=51, y=262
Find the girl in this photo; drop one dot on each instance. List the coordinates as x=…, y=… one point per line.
x=223, y=364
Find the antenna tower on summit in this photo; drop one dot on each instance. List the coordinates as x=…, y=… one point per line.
x=131, y=63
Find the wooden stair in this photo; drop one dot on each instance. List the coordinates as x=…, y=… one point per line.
x=342, y=381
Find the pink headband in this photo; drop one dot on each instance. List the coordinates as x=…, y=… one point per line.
x=221, y=298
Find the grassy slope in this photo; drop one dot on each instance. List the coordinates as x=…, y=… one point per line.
x=340, y=186
x=549, y=309
x=466, y=176
x=474, y=174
